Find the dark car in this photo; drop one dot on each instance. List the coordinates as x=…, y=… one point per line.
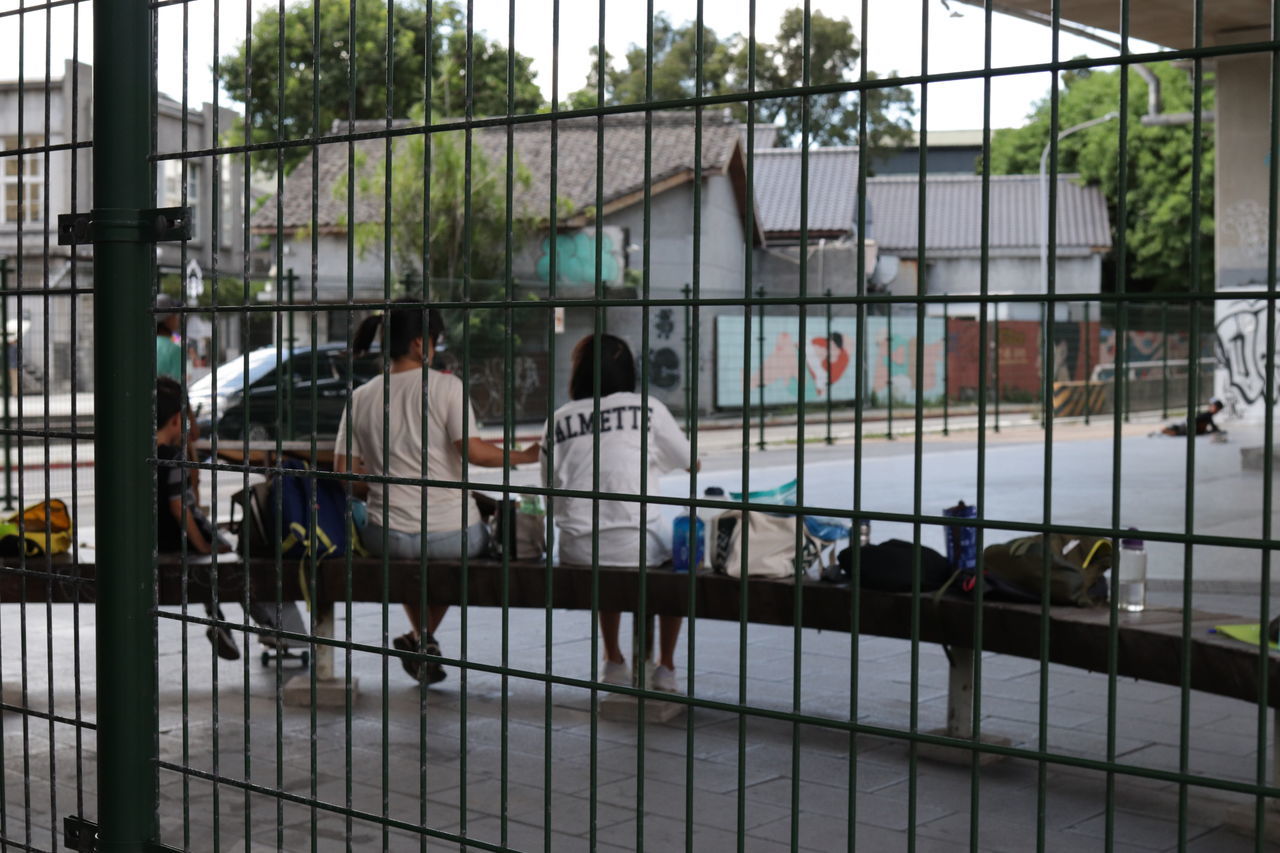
x=287, y=393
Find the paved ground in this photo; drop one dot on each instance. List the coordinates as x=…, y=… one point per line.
x=701, y=782
x=696, y=778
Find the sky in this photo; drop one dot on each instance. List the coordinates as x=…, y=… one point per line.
x=893, y=42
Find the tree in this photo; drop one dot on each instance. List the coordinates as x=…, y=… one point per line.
x=318, y=65
x=437, y=244
x=833, y=58
x=1159, y=160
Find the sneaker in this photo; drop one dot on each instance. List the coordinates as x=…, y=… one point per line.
x=223, y=643
x=664, y=680
x=408, y=643
x=616, y=674
x=431, y=672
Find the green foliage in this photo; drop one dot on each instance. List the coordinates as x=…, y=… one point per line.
x=833, y=58
x=231, y=290
x=440, y=248
x=319, y=63
x=1158, y=197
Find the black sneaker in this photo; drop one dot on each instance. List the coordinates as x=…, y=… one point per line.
x=223, y=643
x=431, y=671
x=408, y=643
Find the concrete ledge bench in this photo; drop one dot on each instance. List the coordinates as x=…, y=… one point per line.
x=1149, y=645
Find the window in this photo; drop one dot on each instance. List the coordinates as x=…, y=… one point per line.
x=21, y=181
x=169, y=181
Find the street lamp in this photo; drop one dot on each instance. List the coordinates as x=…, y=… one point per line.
x=1044, y=193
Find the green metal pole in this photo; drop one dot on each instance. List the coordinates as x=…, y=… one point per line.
x=946, y=370
x=827, y=358
x=4, y=381
x=760, y=361
x=1164, y=357
x=124, y=371
x=291, y=281
x=688, y=360
x=1088, y=405
x=1046, y=366
x=888, y=364
x=996, y=362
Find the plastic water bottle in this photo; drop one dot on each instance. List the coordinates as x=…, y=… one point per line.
x=682, y=554
x=1131, y=575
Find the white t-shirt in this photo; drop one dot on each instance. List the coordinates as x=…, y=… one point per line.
x=620, y=419
x=446, y=408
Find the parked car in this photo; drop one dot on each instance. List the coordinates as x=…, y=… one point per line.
x=290, y=393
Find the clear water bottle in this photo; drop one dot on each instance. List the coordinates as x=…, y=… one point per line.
x=1131, y=575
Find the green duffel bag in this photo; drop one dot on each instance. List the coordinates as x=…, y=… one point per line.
x=1077, y=565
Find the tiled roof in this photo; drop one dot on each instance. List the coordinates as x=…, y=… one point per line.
x=833, y=189
x=954, y=221
x=623, y=147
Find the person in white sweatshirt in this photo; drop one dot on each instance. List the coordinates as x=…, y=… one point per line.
x=614, y=433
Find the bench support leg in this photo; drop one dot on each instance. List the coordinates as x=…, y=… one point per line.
x=960, y=714
x=960, y=694
x=330, y=692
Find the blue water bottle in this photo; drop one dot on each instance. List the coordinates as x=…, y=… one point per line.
x=681, y=546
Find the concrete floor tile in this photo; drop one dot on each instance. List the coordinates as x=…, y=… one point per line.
x=1139, y=829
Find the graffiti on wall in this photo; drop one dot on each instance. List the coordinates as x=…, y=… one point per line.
x=1240, y=346
x=823, y=365
x=576, y=257
x=664, y=351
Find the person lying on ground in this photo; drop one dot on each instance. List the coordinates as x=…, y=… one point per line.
x=1204, y=422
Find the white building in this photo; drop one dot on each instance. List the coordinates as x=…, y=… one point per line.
x=46, y=170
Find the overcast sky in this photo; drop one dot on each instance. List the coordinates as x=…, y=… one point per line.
x=893, y=41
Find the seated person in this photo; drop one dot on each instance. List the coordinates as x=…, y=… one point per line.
x=395, y=510
x=176, y=509
x=572, y=431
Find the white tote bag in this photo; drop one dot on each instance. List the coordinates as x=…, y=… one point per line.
x=771, y=544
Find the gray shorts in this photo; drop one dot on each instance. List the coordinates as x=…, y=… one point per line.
x=448, y=544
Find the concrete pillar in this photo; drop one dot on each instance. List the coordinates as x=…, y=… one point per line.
x=1241, y=180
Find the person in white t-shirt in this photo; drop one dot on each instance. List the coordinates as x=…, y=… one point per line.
x=618, y=426
x=391, y=406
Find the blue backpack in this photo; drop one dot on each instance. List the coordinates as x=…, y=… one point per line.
x=294, y=495
x=333, y=534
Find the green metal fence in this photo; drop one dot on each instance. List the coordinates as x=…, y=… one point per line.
x=336, y=161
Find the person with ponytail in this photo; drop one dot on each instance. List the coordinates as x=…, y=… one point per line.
x=387, y=437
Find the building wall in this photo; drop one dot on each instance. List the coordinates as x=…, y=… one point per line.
x=61, y=344
x=1013, y=275
x=674, y=352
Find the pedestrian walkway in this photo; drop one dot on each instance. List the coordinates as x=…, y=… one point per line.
x=702, y=773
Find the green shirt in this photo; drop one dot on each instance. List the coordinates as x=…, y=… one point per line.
x=168, y=358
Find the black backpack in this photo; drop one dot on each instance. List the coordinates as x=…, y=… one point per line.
x=887, y=567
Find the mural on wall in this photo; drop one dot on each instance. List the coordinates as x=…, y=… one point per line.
x=823, y=364
x=1240, y=346
x=1142, y=345
x=576, y=257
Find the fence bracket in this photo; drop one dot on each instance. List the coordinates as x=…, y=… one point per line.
x=79, y=834
x=120, y=225
x=82, y=836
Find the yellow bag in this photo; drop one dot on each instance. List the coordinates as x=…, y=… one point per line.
x=46, y=526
